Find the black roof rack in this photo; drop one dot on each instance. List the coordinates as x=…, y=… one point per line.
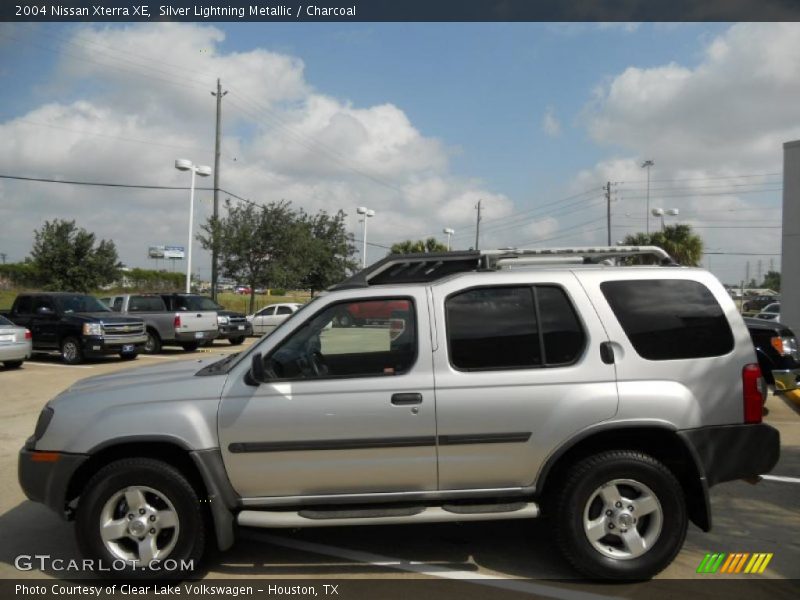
x=430, y=266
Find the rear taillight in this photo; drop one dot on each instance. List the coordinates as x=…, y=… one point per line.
x=28, y=334
x=753, y=392
x=177, y=322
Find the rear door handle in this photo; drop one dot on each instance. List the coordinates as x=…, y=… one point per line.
x=607, y=353
x=405, y=399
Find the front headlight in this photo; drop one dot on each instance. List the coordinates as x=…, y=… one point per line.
x=222, y=320
x=92, y=329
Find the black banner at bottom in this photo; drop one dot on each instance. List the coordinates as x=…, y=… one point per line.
x=408, y=588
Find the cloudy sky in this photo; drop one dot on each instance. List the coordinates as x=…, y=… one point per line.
x=416, y=121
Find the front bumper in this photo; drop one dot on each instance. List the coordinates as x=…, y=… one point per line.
x=234, y=330
x=98, y=345
x=45, y=476
x=729, y=452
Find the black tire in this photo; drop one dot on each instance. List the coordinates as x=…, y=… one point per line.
x=572, y=502
x=13, y=364
x=236, y=341
x=191, y=346
x=129, y=355
x=153, y=343
x=71, y=352
x=156, y=475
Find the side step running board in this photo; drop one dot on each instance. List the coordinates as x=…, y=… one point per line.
x=431, y=514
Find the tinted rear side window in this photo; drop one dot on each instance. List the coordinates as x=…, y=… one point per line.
x=669, y=319
x=493, y=328
x=563, y=336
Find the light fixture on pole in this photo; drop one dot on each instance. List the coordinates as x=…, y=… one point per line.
x=646, y=165
x=363, y=210
x=660, y=212
x=448, y=232
x=183, y=164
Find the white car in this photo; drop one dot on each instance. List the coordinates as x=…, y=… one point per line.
x=15, y=344
x=269, y=317
x=771, y=312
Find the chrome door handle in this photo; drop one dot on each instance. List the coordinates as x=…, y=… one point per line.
x=405, y=399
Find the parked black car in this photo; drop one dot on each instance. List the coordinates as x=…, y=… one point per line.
x=777, y=352
x=756, y=303
x=76, y=325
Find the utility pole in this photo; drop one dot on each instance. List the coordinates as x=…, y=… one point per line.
x=608, y=210
x=219, y=94
x=759, y=280
x=646, y=165
x=478, y=225
x=3, y=256
x=747, y=273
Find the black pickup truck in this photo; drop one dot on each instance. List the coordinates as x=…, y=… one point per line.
x=76, y=325
x=777, y=352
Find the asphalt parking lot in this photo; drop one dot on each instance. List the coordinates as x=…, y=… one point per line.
x=747, y=518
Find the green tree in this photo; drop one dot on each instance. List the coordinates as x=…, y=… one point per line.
x=328, y=251
x=684, y=246
x=65, y=257
x=257, y=245
x=418, y=246
x=772, y=280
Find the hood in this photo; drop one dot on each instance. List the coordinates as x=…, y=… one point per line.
x=163, y=401
x=230, y=313
x=105, y=317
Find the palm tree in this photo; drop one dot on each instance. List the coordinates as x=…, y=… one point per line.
x=684, y=246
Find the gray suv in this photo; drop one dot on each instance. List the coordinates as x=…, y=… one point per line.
x=502, y=384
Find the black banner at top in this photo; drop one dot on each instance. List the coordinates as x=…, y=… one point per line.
x=398, y=10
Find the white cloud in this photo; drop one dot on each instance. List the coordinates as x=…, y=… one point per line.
x=550, y=123
x=141, y=99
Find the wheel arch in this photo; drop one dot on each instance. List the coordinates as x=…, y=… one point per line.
x=661, y=442
x=203, y=469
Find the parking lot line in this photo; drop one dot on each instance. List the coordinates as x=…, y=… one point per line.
x=159, y=356
x=781, y=478
x=422, y=568
x=41, y=364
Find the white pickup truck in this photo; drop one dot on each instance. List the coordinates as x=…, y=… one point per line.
x=171, y=319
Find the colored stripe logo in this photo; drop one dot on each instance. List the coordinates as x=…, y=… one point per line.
x=735, y=562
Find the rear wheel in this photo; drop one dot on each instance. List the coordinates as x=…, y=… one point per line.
x=128, y=355
x=13, y=364
x=620, y=515
x=141, y=511
x=190, y=347
x=153, y=343
x=71, y=351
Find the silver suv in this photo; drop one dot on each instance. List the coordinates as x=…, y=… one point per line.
x=502, y=384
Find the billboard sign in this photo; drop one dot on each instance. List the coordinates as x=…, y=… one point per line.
x=155, y=252
x=174, y=252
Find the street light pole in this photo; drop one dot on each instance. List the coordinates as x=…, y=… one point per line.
x=183, y=164
x=646, y=165
x=660, y=212
x=448, y=231
x=363, y=210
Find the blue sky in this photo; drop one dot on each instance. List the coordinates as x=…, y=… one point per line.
x=437, y=114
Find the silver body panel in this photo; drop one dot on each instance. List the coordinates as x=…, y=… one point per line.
x=266, y=319
x=192, y=322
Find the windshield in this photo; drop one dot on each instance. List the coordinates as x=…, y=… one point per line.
x=79, y=303
x=196, y=303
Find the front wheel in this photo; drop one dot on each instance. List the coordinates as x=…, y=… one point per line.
x=143, y=513
x=620, y=515
x=190, y=347
x=128, y=355
x=71, y=351
x=235, y=341
x=13, y=364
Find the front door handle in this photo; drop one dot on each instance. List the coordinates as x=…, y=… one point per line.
x=405, y=399
x=607, y=353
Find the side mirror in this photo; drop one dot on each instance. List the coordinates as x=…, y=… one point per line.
x=256, y=375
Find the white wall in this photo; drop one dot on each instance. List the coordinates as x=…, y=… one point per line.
x=790, y=250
